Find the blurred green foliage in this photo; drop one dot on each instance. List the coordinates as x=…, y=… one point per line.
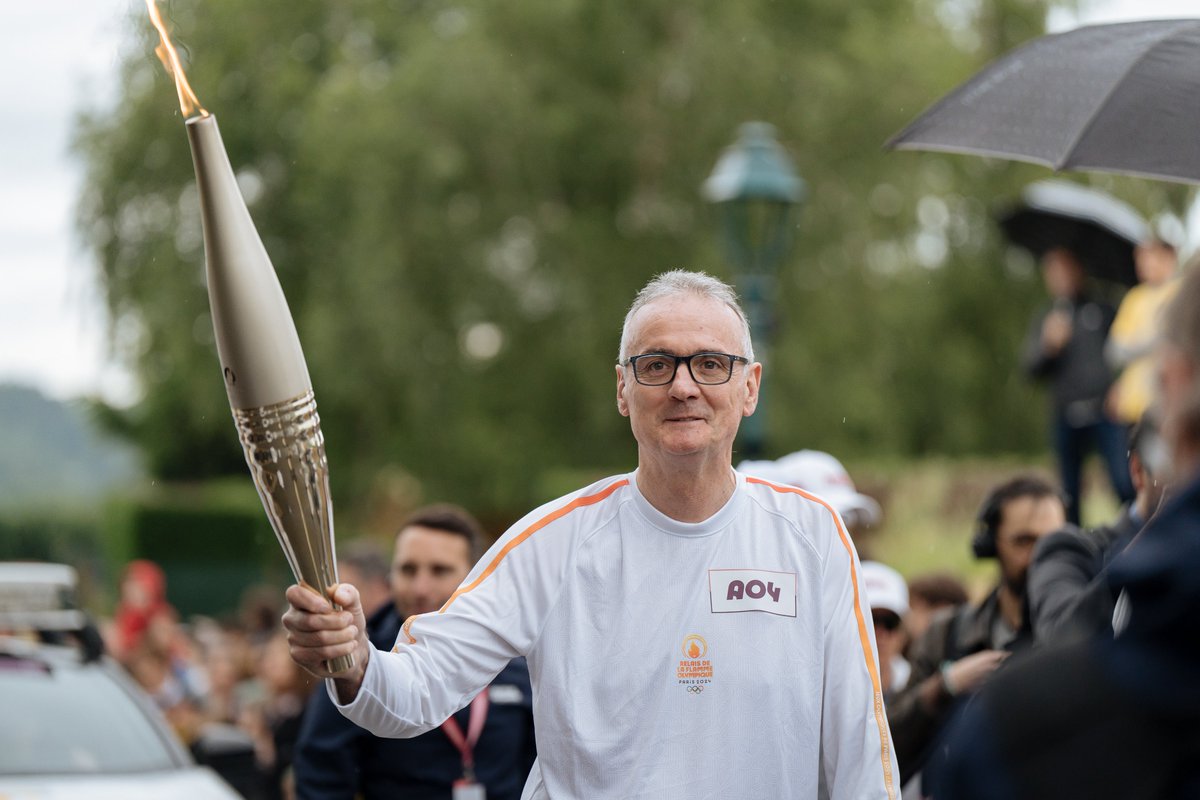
x=461, y=199
x=62, y=534
x=211, y=539
x=45, y=535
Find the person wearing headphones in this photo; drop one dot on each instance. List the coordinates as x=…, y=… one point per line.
x=965, y=645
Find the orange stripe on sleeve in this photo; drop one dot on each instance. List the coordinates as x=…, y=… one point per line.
x=557, y=514
x=863, y=636
x=406, y=627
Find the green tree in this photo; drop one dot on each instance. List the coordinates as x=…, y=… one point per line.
x=462, y=198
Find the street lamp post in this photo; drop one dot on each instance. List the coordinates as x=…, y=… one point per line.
x=757, y=193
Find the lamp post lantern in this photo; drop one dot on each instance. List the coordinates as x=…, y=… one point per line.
x=757, y=193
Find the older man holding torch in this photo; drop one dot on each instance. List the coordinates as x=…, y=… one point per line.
x=690, y=631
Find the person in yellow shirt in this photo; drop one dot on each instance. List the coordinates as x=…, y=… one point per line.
x=1136, y=328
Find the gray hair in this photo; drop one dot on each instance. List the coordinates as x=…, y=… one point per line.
x=679, y=281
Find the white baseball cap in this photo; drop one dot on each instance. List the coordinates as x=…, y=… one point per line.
x=886, y=588
x=767, y=470
x=823, y=475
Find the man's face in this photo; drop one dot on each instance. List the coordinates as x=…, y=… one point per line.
x=684, y=418
x=1062, y=273
x=427, y=567
x=1023, y=521
x=889, y=633
x=1154, y=262
x=1176, y=375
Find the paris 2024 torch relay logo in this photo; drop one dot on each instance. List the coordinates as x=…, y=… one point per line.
x=695, y=669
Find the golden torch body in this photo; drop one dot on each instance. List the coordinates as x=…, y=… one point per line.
x=265, y=374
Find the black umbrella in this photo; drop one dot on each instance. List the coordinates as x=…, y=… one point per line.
x=1112, y=98
x=1101, y=230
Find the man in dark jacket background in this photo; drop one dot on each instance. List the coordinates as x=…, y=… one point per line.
x=963, y=647
x=335, y=759
x=1065, y=347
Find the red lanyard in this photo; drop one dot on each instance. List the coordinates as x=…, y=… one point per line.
x=466, y=744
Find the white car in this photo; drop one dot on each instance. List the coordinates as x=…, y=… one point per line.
x=73, y=725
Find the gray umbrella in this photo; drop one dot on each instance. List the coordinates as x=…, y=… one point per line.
x=1119, y=98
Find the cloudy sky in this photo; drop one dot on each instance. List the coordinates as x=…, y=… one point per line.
x=58, y=57
x=55, y=58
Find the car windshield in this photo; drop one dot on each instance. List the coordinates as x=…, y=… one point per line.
x=73, y=720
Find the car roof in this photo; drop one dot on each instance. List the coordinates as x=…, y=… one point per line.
x=40, y=598
x=39, y=618
x=192, y=783
x=40, y=572
x=37, y=587
x=62, y=659
x=52, y=655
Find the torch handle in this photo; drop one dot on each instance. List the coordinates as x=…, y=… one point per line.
x=286, y=455
x=341, y=663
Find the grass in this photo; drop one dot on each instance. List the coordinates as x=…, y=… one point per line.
x=930, y=505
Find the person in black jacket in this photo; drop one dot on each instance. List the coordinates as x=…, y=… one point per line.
x=1065, y=347
x=337, y=760
x=1070, y=598
x=963, y=647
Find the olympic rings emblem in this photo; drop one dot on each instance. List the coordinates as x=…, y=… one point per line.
x=695, y=689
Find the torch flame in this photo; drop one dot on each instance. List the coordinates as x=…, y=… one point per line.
x=165, y=51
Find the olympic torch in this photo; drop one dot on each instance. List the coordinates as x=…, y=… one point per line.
x=266, y=377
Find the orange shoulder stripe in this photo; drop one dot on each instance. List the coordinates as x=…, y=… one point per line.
x=557, y=514
x=863, y=637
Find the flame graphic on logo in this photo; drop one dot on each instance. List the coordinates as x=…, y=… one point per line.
x=165, y=51
x=694, y=646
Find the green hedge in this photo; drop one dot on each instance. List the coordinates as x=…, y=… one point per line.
x=40, y=536
x=212, y=540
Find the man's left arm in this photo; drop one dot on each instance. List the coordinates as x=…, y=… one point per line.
x=857, y=756
x=1066, y=603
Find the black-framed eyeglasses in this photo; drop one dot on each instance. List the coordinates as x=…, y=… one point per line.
x=708, y=369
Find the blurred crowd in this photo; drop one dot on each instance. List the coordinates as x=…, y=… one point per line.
x=233, y=694
x=229, y=680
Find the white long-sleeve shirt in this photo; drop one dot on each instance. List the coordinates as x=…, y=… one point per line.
x=731, y=658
